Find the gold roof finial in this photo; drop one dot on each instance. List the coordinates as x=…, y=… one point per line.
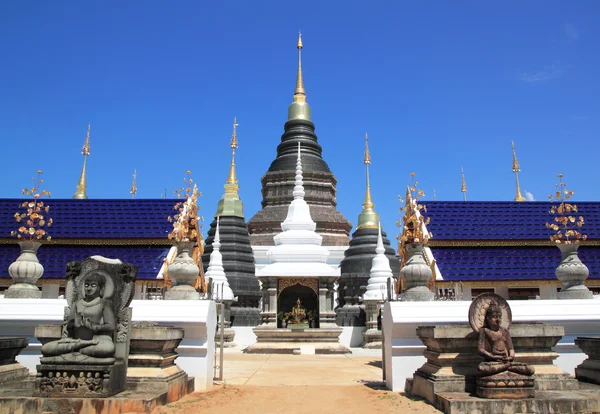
x=133, y=190
x=299, y=93
x=463, y=185
x=82, y=184
x=368, y=218
x=516, y=169
x=434, y=197
x=230, y=204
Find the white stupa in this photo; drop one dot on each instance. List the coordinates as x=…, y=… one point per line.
x=380, y=274
x=216, y=272
x=298, y=251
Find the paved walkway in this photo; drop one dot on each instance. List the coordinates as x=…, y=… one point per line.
x=274, y=369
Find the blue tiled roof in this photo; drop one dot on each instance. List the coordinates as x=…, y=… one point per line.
x=507, y=263
x=498, y=220
x=98, y=219
x=54, y=258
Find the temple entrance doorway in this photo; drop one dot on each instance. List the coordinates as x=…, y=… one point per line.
x=298, y=307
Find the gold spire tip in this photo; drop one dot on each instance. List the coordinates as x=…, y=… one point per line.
x=86, y=146
x=299, y=46
x=367, y=153
x=234, y=142
x=299, y=93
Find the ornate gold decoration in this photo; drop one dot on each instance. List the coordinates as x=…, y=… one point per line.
x=299, y=93
x=186, y=222
x=312, y=284
x=516, y=169
x=133, y=190
x=565, y=223
x=33, y=220
x=82, y=184
x=463, y=185
x=368, y=218
x=413, y=223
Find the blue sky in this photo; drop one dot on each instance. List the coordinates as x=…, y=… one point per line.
x=437, y=85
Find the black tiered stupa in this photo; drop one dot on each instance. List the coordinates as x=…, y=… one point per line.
x=319, y=181
x=356, y=265
x=238, y=259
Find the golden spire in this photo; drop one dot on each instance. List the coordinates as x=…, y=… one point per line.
x=368, y=218
x=516, y=169
x=82, y=184
x=299, y=93
x=133, y=190
x=232, y=179
x=230, y=204
x=463, y=185
x=434, y=197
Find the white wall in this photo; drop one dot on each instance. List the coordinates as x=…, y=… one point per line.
x=20, y=317
x=403, y=350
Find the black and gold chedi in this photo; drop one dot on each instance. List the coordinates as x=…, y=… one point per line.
x=358, y=258
x=238, y=259
x=319, y=181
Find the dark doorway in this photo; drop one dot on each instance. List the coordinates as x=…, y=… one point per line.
x=290, y=295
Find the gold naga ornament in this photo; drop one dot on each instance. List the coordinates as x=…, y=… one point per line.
x=33, y=219
x=565, y=223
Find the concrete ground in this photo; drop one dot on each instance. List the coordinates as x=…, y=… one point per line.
x=258, y=383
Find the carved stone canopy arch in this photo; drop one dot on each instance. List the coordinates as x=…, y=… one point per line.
x=311, y=283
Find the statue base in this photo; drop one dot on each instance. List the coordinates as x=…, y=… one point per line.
x=87, y=381
x=506, y=385
x=23, y=291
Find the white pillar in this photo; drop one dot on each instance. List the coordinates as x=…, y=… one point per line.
x=502, y=291
x=50, y=290
x=467, y=293
x=548, y=292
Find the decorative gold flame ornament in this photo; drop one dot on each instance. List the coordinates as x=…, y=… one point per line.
x=299, y=109
x=516, y=169
x=133, y=190
x=413, y=223
x=82, y=184
x=565, y=223
x=463, y=185
x=187, y=227
x=230, y=203
x=33, y=219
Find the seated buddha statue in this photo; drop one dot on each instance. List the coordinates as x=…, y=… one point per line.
x=496, y=347
x=90, y=326
x=298, y=313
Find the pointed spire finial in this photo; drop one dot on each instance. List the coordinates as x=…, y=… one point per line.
x=434, y=197
x=463, y=185
x=82, y=184
x=217, y=239
x=133, y=190
x=379, y=249
x=232, y=179
x=299, y=182
x=230, y=204
x=368, y=218
x=516, y=168
x=299, y=93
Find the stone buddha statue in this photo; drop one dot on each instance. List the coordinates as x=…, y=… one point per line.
x=90, y=359
x=499, y=375
x=496, y=347
x=298, y=313
x=90, y=326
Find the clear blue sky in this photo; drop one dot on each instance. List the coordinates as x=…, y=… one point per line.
x=438, y=85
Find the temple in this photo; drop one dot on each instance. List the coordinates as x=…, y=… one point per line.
x=319, y=182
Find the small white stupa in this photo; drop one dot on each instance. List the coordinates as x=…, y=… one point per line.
x=380, y=274
x=298, y=250
x=298, y=287
x=216, y=271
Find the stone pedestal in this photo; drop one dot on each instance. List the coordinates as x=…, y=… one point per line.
x=292, y=341
x=416, y=274
x=372, y=336
x=183, y=272
x=452, y=359
x=572, y=273
x=589, y=370
x=10, y=369
x=506, y=385
x=25, y=272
